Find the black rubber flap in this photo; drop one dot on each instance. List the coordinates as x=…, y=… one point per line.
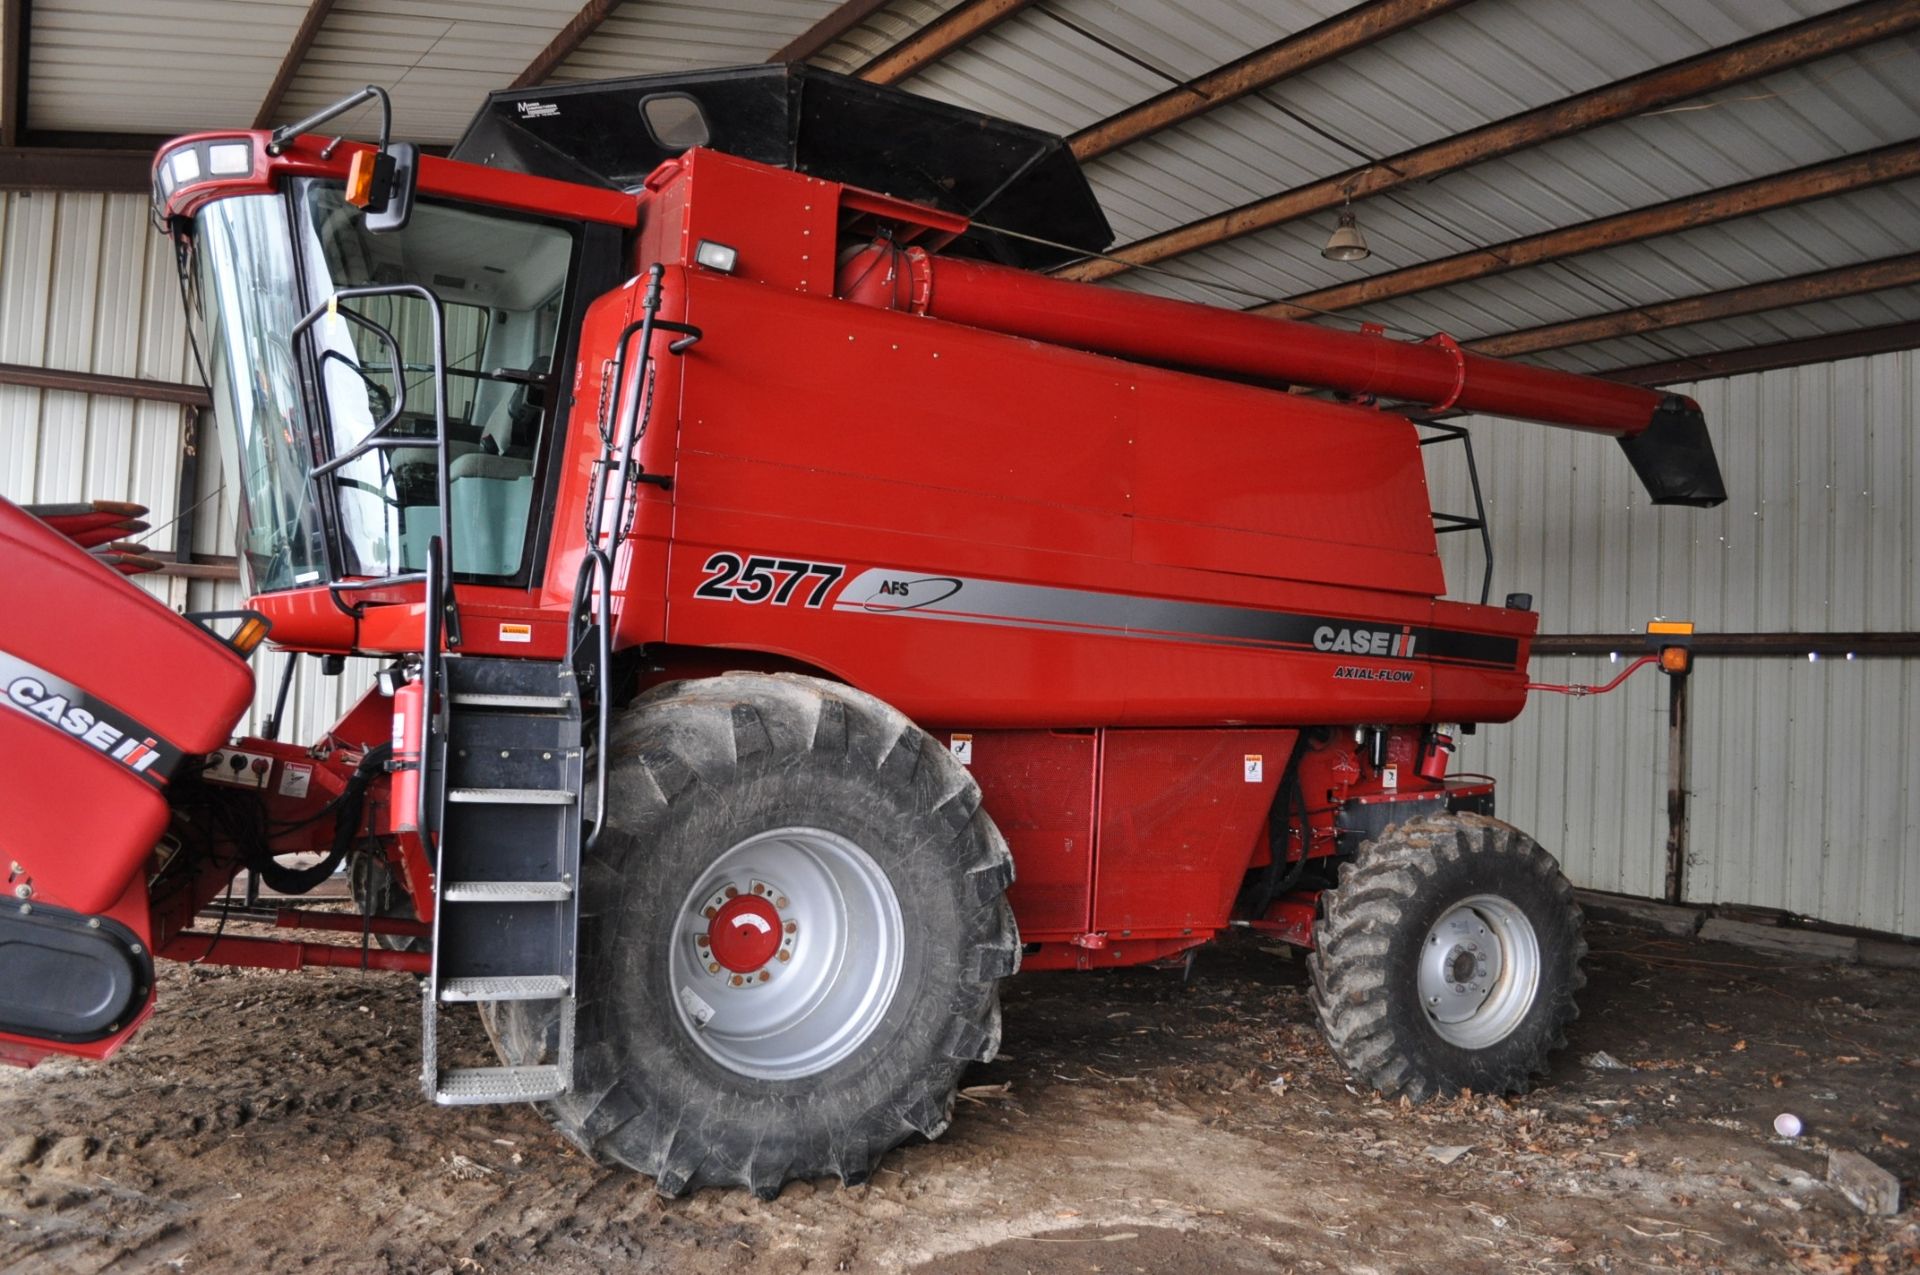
x=62, y=979
x=812, y=121
x=1674, y=457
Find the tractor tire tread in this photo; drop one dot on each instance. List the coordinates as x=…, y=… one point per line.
x=1368, y=1009
x=684, y=741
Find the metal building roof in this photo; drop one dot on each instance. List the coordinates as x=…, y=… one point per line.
x=120, y=74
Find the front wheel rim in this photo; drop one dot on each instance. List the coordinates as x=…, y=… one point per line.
x=1479, y=971
x=787, y=953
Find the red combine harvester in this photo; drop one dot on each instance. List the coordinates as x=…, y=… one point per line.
x=797, y=613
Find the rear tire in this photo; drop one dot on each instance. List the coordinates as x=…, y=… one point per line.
x=1448, y=959
x=859, y=847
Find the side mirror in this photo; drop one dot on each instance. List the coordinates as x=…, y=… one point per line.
x=393, y=212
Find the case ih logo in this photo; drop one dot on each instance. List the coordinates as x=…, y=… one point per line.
x=1364, y=641
x=58, y=706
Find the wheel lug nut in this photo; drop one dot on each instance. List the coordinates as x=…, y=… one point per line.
x=780, y=902
x=738, y=981
x=713, y=967
x=701, y=940
x=712, y=912
x=765, y=975
x=792, y=926
x=758, y=888
x=732, y=893
x=785, y=955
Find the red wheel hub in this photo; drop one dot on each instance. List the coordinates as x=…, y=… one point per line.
x=745, y=933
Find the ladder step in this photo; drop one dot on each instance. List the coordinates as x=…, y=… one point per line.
x=468, y=1086
x=512, y=796
x=521, y=987
x=490, y=699
x=506, y=892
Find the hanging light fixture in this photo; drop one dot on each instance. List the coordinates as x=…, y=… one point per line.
x=1346, y=243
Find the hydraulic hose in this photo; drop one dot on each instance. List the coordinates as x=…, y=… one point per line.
x=346, y=810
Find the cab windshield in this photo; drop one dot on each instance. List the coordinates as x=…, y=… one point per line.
x=501, y=282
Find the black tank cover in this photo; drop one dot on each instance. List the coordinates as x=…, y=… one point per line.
x=816, y=122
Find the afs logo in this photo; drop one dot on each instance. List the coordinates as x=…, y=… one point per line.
x=910, y=595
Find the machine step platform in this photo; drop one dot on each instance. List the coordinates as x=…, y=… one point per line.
x=506, y=774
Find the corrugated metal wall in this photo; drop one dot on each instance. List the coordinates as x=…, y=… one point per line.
x=1805, y=775
x=85, y=285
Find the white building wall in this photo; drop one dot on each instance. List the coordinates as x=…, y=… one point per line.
x=1804, y=774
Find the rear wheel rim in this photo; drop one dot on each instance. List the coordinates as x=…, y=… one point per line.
x=786, y=953
x=1479, y=972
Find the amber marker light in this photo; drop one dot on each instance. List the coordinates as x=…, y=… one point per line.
x=360, y=178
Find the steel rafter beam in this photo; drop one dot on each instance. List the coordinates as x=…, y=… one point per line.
x=563, y=46
x=15, y=25
x=59, y=168
x=1767, y=358
x=938, y=38
x=134, y=387
x=1324, y=42
x=1779, y=294
x=843, y=19
x=1816, y=181
x=290, y=64
x=1849, y=28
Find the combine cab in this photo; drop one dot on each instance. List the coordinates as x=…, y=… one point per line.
x=796, y=614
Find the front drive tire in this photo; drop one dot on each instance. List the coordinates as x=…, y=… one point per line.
x=1448, y=959
x=792, y=932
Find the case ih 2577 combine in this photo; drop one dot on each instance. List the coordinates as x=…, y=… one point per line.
x=797, y=613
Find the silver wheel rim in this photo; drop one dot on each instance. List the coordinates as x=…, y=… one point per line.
x=1479, y=971
x=787, y=953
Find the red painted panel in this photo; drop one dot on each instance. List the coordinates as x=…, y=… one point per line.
x=1182, y=813
x=77, y=821
x=1038, y=786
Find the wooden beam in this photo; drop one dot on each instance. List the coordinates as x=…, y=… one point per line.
x=199, y=566
x=1335, y=38
x=844, y=18
x=46, y=378
x=1816, y=181
x=563, y=45
x=96, y=140
x=938, y=38
x=1823, y=285
x=290, y=64
x=15, y=25
x=50, y=168
x=1767, y=358
x=1849, y=28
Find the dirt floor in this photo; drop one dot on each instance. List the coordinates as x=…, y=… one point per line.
x=1136, y=1124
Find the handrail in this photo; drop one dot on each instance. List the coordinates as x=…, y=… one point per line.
x=620, y=436
x=374, y=440
x=1444, y=523
x=394, y=409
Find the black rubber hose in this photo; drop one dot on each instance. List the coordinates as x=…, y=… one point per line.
x=346, y=822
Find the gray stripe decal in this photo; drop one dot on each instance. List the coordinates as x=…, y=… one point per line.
x=62, y=706
x=880, y=591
